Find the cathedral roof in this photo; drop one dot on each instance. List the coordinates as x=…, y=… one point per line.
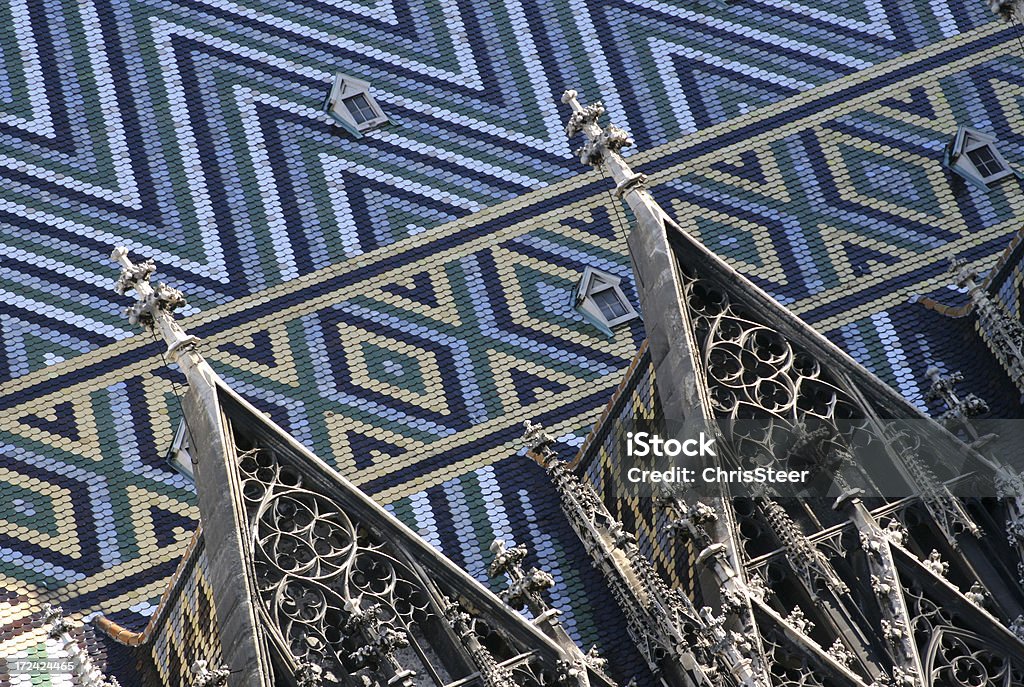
x=195, y=136
x=412, y=360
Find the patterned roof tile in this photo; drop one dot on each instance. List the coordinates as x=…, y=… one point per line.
x=399, y=303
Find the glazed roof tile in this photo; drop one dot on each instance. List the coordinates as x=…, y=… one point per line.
x=191, y=131
x=413, y=362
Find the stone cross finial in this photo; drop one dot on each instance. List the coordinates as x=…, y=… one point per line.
x=155, y=305
x=136, y=278
x=525, y=587
x=603, y=145
x=959, y=410
x=569, y=98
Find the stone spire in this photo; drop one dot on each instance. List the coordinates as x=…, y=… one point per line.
x=653, y=262
x=959, y=409
x=1003, y=333
x=682, y=645
x=221, y=506
x=526, y=588
x=83, y=668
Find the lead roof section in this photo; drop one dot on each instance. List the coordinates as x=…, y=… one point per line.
x=191, y=132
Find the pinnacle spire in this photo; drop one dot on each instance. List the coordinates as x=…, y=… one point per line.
x=1003, y=332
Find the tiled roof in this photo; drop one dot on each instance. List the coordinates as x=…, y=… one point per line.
x=414, y=363
x=410, y=368
x=30, y=651
x=190, y=131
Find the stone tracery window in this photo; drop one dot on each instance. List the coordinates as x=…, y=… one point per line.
x=347, y=600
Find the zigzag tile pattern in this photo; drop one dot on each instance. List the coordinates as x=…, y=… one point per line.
x=190, y=130
x=421, y=363
x=190, y=629
x=636, y=400
x=413, y=365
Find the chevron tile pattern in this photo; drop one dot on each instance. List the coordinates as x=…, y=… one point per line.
x=424, y=361
x=191, y=132
x=411, y=357
x=857, y=195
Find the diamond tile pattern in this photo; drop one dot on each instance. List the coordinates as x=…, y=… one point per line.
x=400, y=303
x=190, y=131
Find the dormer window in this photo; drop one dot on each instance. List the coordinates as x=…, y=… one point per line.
x=974, y=156
x=611, y=302
x=360, y=109
x=179, y=455
x=599, y=298
x=983, y=157
x=351, y=105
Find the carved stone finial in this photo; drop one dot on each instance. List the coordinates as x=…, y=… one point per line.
x=758, y=589
x=535, y=437
x=136, y=278
x=602, y=144
x=1008, y=10
x=895, y=532
x=902, y=677
x=524, y=587
x=506, y=561
x=1015, y=528
x=936, y=564
x=690, y=520
x=840, y=654
x=154, y=307
x=569, y=98
x=976, y=594
x=965, y=275
x=958, y=410
x=881, y=586
x=595, y=660
x=309, y=675
x=380, y=639
x=1017, y=627
x=893, y=631
x=54, y=617
x=202, y=676
x=799, y=621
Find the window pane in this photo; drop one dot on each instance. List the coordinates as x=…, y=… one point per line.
x=985, y=161
x=360, y=109
x=610, y=304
